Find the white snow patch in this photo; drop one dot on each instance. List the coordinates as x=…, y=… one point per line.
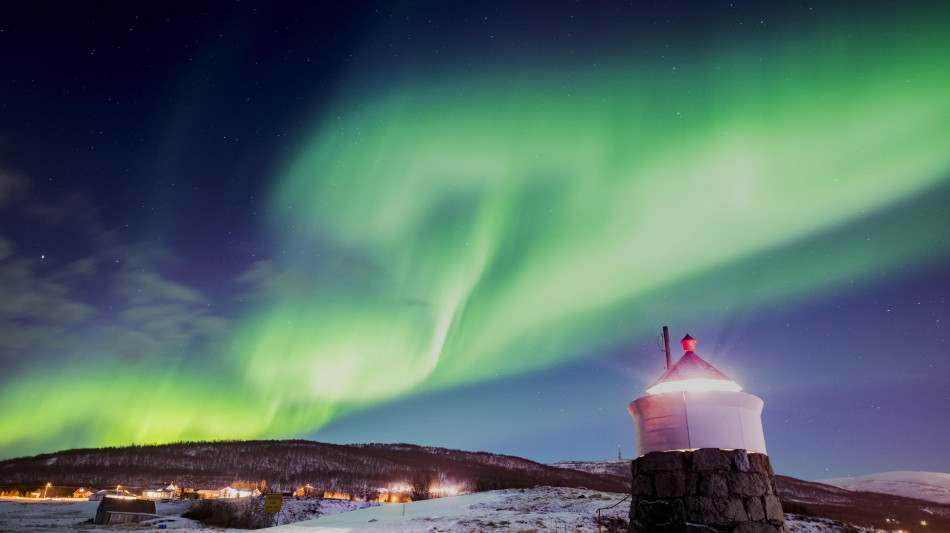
x=930, y=486
x=808, y=524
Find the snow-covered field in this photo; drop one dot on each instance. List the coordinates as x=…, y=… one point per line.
x=538, y=509
x=930, y=486
x=69, y=515
x=46, y=516
x=542, y=509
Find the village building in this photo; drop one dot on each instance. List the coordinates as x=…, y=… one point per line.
x=118, y=493
x=231, y=492
x=161, y=491
x=83, y=492
x=308, y=491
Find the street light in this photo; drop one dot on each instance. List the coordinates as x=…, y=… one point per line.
x=46, y=489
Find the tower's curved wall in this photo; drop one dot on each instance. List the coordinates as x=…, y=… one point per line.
x=710, y=419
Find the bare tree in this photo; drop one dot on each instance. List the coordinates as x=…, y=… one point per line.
x=422, y=485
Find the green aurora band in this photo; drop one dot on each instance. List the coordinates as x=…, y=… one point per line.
x=445, y=233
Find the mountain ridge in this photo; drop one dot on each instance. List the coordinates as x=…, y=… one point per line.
x=358, y=469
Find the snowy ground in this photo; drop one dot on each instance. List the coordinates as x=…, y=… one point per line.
x=542, y=509
x=539, y=509
x=807, y=524
x=931, y=486
x=70, y=515
x=48, y=516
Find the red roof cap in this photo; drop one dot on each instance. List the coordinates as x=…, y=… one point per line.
x=689, y=343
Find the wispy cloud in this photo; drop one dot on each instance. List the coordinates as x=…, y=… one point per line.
x=110, y=297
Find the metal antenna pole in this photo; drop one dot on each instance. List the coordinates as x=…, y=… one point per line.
x=666, y=342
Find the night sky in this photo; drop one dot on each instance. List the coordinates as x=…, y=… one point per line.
x=464, y=224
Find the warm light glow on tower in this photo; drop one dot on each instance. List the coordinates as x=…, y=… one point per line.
x=694, y=385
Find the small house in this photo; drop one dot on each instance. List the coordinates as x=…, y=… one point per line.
x=103, y=494
x=308, y=491
x=84, y=492
x=161, y=491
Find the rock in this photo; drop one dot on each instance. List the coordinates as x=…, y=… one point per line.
x=773, y=508
x=661, y=461
x=705, y=459
x=754, y=508
x=638, y=527
x=670, y=484
x=643, y=486
x=748, y=484
x=656, y=512
x=733, y=510
x=715, y=512
x=679, y=512
x=701, y=510
x=758, y=462
x=692, y=483
x=740, y=458
x=714, y=486
x=699, y=528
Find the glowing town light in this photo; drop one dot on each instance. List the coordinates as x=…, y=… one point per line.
x=446, y=490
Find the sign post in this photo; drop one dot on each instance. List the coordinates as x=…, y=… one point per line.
x=272, y=503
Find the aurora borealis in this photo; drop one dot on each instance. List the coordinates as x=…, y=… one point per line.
x=465, y=229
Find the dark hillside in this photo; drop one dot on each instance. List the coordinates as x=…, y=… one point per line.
x=356, y=469
x=862, y=508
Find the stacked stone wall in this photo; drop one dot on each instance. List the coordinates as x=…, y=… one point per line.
x=705, y=491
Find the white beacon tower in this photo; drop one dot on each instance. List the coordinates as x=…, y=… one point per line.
x=693, y=405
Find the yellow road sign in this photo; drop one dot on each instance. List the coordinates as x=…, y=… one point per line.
x=272, y=503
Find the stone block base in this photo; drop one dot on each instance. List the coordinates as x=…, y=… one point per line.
x=708, y=490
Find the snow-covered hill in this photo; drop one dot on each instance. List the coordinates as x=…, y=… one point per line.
x=615, y=468
x=930, y=486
